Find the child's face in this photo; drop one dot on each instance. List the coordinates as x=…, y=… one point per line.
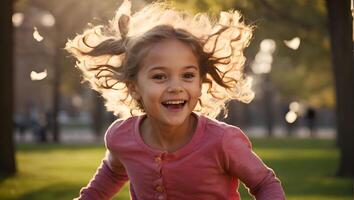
x=168, y=82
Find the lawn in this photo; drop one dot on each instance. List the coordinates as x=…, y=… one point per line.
x=306, y=168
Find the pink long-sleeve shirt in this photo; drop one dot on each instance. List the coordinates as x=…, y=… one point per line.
x=208, y=167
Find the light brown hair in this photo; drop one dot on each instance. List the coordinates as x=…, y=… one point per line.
x=111, y=61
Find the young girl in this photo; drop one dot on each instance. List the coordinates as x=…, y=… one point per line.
x=172, y=72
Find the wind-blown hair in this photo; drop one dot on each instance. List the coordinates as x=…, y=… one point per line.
x=109, y=56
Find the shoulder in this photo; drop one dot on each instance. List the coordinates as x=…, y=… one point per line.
x=119, y=127
x=229, y=134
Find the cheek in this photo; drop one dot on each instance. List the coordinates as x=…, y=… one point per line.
x=196, y=91
x=151, y=94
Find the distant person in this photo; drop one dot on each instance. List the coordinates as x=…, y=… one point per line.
x=21, y=126
x=311, y=120
x=39, y=125
x=49, y=121
x=43, y=126
x=163, y=57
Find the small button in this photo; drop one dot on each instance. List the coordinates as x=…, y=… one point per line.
x=159, y=188
x=160, y=197
x=158, y=159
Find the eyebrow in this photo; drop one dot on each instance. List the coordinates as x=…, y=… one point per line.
x=163, y=67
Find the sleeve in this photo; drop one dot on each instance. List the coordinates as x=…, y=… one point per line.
x=108, y=180
x=243, y=163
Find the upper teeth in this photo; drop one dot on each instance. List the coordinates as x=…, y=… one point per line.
x=173, y=102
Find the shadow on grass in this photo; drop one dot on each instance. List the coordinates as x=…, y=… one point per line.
x=56, y=191
x=3, y=178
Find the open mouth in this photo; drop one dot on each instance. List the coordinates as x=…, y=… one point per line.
x=175, y=104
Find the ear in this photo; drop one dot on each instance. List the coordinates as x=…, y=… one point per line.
x=133, y=91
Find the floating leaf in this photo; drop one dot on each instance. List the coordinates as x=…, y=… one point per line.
x=293, y=43
x=37, y=76
x=36, y=35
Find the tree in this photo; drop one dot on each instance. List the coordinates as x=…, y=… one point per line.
x=340, y=28
x=7, y=152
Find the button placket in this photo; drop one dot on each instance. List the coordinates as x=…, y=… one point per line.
x=160, y=188
x=161, y=195
x=158, y=164
x=158, y=159
x=158, y=183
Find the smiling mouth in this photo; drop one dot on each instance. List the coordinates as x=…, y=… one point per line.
x=176, y=104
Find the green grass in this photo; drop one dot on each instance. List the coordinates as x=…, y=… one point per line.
x=305, y=167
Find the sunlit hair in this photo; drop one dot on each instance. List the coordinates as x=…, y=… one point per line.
x=109, y=56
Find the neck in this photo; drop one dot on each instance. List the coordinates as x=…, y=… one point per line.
x=165, y=137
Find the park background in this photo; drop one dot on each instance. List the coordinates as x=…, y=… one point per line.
x=300, y=122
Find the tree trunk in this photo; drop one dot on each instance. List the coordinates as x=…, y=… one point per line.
x=340, y=27
x=57, y=71
x=56, y=96
x=7, y=152
x=268, y=105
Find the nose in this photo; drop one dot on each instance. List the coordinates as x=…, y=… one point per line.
x=175, y=86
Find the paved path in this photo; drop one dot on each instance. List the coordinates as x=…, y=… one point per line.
x=302, y=132
x=86, y=135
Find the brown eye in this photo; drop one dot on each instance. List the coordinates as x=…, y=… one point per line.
x=159, y=77
x=188, y=75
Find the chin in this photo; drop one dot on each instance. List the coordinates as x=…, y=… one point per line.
x=178, y=119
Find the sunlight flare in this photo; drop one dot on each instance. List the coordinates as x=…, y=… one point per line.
x=263, y=61
x=294, y=106
x=47, y=20
x=17, y=19
x=291, y=117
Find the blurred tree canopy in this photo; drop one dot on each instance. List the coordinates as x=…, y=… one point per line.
x=302, y=74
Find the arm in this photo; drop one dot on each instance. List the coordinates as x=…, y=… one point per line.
x=109, y=177
x=242, y=162
x=106, y=182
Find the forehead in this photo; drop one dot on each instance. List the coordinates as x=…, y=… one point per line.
x=169, y=54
